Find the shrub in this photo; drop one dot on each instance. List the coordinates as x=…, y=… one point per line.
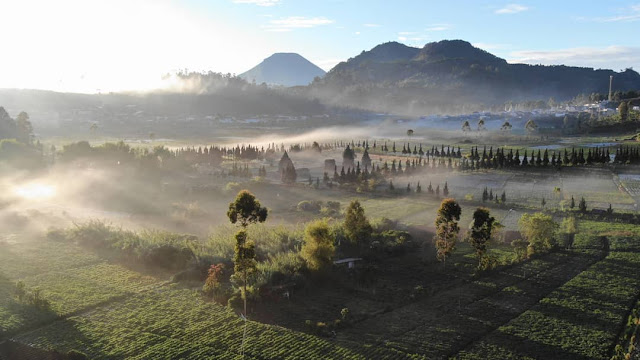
x=309, y=206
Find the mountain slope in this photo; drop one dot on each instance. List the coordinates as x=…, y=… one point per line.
x=286, y=69
x=449, y=74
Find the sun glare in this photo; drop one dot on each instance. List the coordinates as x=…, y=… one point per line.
x=35, y=191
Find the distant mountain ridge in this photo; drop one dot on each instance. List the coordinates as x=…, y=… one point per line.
x=284, y=69
x=442, y=75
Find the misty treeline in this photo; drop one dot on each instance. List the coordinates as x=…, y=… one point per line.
x=624, y=155
x=17, y=146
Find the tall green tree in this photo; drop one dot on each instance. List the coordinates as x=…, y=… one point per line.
x=318, y=248
x=447, y=229
x=481, y=231
x=245, y=210
x=356, y=225
x=244, y=261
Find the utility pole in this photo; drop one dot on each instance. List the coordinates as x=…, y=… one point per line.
x=610, y=85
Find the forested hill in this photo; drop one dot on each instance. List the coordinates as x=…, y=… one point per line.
x=445, y=75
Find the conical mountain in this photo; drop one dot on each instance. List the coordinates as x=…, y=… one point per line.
x=284, y=69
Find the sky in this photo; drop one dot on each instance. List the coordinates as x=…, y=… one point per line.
x=112, y=45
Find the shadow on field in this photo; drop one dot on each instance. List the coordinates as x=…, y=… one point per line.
x=21, y=316
x=522, y=347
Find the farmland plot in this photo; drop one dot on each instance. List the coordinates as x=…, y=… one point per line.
x=579, y=320
x=176, y=323
x=440, y=325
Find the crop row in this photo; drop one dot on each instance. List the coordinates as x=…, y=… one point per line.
x=67, y=291
x=441, y=324
x=176, y=323
x=579, y=320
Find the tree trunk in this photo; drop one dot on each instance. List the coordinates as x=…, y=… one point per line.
x=244, y=294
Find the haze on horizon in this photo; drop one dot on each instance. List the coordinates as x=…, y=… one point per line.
x=118, y=45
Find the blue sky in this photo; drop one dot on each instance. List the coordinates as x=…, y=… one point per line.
x=578, y=32
x=98, y=45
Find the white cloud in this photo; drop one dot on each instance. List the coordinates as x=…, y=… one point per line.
x=438, y=27
x=630, y=14
x=406, y=33
x=371, y=25
x=611, y=57
x=297, y=22
x=402, y=38
x=357, y=33
x=511, y=9
x=258, y=2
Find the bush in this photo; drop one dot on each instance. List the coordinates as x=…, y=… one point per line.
x=160, y=249
x=309, y=206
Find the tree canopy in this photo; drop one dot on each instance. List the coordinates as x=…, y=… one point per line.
x=246, y=209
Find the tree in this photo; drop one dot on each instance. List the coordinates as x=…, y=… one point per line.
x=447, y=229
x=356, y=225
x=582, y=205
x=481, y=231
x=568, y=230
x=573, y=202
x=318, y=249
x=445, y=189
x=539, y=230
x=531, y=126
x=24, y=128
x=623, y=110
x=246, y=209
x=244, y=261
x=466, y=127
x=481, y=126
x=506, y=128
x=289, y=174
x=212, y=285
x=410, y=133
